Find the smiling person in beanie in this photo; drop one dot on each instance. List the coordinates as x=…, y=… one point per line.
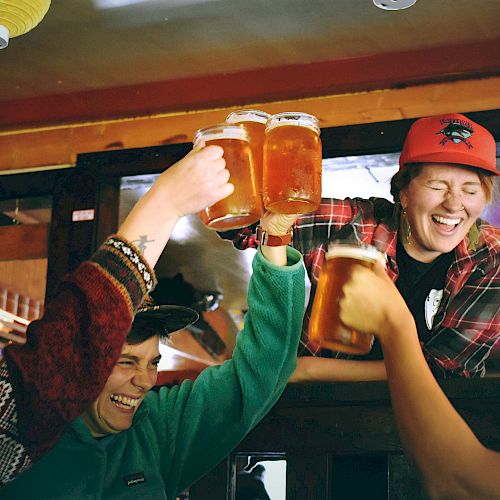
x=69, y=353
x=442, y=257
x=135, y=443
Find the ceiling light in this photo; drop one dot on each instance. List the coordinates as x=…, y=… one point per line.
x=114, y=4
x=17, y=17
x=117, y=4
x=394, y=4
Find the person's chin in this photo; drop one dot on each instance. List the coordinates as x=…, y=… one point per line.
x=447, y=246
x=118, y=425
x=119, y=421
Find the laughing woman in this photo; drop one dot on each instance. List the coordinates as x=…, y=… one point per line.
x=442, y=257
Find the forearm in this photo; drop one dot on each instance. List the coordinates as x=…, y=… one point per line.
x=150, y=224
x=314, y=369
x=453, y=463
x=275, y=255
x=198, y=180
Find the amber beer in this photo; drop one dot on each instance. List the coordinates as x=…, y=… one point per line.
x=254, y=121
x=325, y=327
x=292, y=164
x=244, y=206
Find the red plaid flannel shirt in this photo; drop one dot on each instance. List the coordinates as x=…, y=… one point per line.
x=467, y=323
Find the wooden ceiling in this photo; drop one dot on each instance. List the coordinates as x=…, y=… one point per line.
x=88, y=62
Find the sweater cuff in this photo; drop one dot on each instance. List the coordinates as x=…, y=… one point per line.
x=293, y=256
x=123, y=262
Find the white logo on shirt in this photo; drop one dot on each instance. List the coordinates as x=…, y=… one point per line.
x=431, y=306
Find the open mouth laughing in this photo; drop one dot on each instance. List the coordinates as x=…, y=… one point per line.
x=124, y=402
x=447, y=223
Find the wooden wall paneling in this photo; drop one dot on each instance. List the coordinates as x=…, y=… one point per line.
x=32, y=278
x=24, y=241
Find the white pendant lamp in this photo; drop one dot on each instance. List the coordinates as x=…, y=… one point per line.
x=17, y=17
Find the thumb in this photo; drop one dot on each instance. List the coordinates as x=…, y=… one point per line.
x=379, y=269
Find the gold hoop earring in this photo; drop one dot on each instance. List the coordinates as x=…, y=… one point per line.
x=473, y=235
x=405, y=227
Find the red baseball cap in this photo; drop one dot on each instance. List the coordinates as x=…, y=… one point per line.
x=450, y=138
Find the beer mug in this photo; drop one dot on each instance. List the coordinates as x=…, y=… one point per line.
x=255, y=123
x=325, y=327
x=292, y=164
x=244, y=206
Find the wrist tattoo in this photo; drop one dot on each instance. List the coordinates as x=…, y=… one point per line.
x=141, y=242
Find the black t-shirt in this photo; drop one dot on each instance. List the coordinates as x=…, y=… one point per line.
x=421, y=285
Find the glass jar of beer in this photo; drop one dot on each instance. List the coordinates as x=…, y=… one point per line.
x=292, y=164
x=325, y=327
x=255, y=123
x=244, y=206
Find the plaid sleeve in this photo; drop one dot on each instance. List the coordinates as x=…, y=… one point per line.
x=470, y=329
x=47, y=383
x=241, y=238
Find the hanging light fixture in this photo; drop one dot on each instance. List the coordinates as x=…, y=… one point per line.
x=394, y=4
x=17, y=17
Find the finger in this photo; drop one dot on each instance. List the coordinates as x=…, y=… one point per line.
x=223, y=175
x=225, y=190
x=212, y=152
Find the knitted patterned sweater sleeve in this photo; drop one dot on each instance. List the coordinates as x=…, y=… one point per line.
x=69, y=354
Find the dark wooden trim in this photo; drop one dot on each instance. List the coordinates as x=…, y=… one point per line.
x=26, y=185
x=71, y=242
x=136, y=161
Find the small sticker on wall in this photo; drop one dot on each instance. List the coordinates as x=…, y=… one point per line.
x=81, y=215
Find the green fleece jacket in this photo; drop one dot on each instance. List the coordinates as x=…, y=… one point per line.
x=180, y=433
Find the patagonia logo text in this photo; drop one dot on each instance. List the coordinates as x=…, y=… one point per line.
x=133, y=479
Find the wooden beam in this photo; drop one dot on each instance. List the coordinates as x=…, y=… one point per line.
x=59, y=144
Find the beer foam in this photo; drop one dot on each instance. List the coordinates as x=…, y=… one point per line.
x=366, y=253
x=247, y=115
x=294, y=120
x=221, y=132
